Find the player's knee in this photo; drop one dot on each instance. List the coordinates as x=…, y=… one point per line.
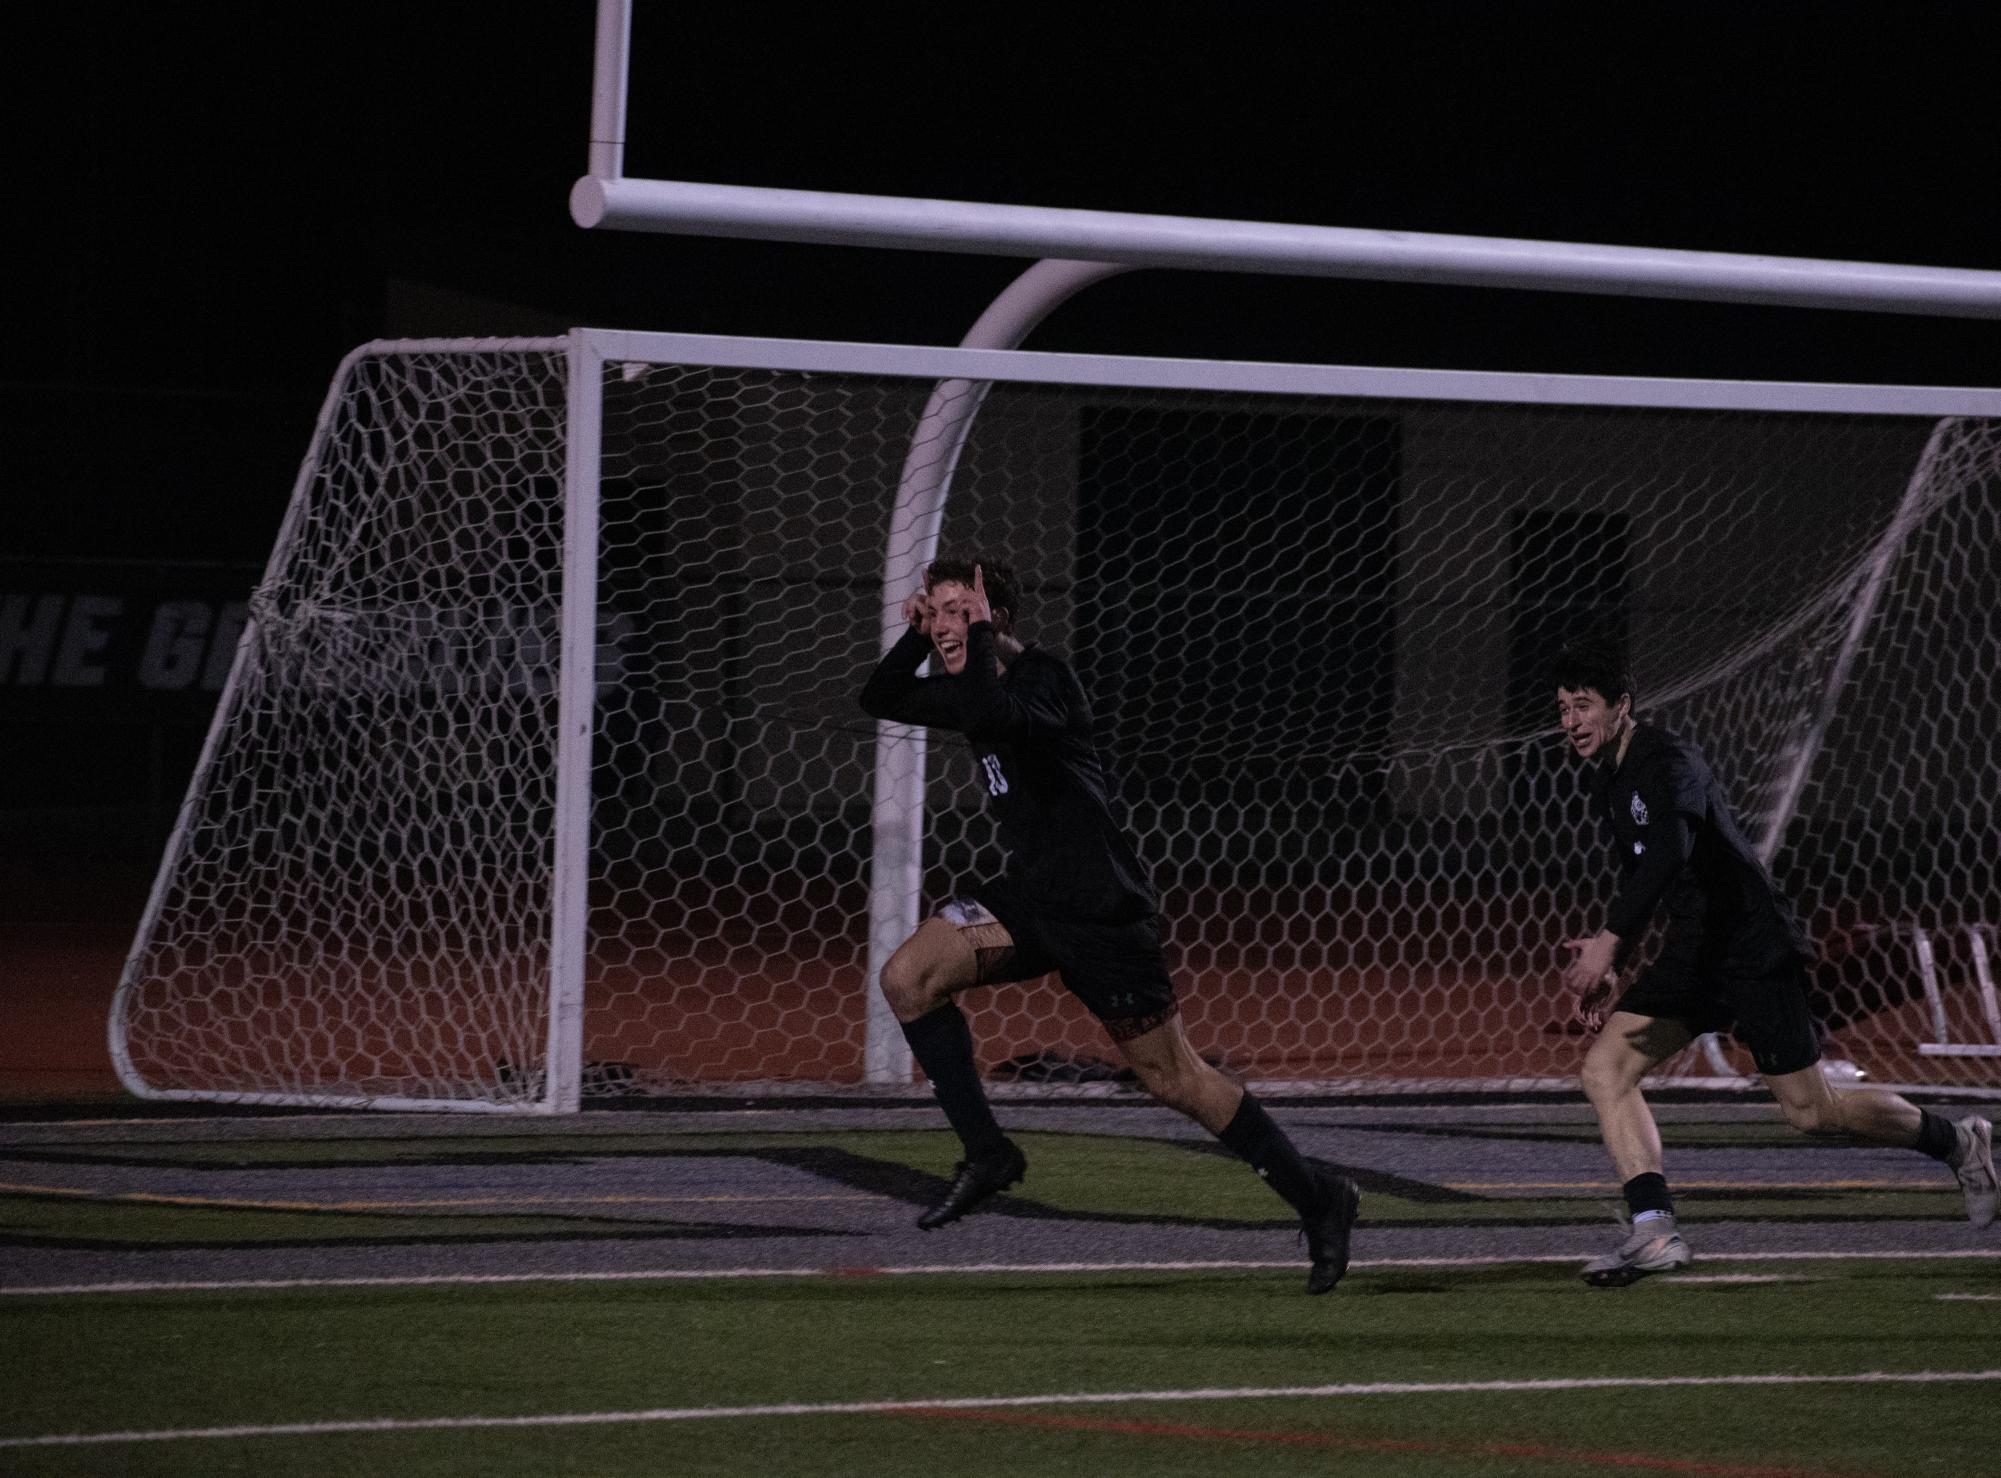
x=910, y=988
x=1184, y=1082
x=1164, y=1075
x=1816, y=1116
x=1171, y=1084
x=1603, y=1077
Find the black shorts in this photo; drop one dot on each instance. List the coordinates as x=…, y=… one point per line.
x=1767, y=1013
x=1118, y=970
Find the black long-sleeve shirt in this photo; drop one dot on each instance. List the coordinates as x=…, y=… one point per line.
x=1030, y=732
x=1679, y=845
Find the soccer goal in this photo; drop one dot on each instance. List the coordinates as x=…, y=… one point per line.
x=540, y=776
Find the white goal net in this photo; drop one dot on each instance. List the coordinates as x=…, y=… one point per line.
x=1314, y=608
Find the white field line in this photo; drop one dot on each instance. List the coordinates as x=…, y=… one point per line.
x=503, y=1203
x=528, y=1203
x=1970, y=1298
x=1681, y=1280
x=1003, y=1269
x=988, y=1403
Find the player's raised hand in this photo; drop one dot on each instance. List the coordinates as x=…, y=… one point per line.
x=977, y=608
x=917, y=610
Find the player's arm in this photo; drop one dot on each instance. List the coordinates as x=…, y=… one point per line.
x=895, y=692
x=1670, y=843
x=994, y=710
x=1671, y=840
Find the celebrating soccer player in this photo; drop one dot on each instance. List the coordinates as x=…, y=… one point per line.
x=1073, y=899
x=1732, y=957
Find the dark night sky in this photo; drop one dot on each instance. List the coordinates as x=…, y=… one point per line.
x=215, y=202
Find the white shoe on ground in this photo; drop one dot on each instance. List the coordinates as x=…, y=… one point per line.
x=1976, y=1169
x=1653, y=1246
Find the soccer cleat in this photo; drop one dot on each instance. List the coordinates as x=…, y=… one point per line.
x=1327, y=1230
x=1976, y=1169
x=974, y=1183
x=1650, y=1248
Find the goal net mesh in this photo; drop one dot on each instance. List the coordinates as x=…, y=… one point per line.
x=1316, y=634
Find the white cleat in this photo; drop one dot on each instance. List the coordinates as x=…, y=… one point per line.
x=1976, y=1169
x=1655, y=1247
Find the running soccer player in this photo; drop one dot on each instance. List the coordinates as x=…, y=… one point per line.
x=1073, y=899
x=1732, y=957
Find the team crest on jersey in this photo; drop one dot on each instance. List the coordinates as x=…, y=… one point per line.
x=1639, y=809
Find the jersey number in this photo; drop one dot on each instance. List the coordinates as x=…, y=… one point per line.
x=996, y=781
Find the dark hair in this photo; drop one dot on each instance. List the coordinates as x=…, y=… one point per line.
x=1002, y=587
x=1593, y=664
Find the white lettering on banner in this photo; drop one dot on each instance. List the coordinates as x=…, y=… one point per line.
x=176, y=644
x=189, y=645
x=222, y=644
x=84, y=636
x=28, y=626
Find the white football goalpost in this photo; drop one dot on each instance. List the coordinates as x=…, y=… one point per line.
x=538, y=772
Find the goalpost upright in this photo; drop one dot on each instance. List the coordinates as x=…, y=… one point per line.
x=576, y=722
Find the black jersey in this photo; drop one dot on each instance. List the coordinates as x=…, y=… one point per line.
x=1031, y=735
x=1678, y=844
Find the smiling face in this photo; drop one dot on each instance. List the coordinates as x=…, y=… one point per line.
x=1593, y=726
x=948, y=623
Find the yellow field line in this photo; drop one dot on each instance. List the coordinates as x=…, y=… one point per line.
x=236, y=1203
x=1590, y=1186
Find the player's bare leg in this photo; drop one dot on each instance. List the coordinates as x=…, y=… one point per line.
x=1874, y=1115
x=1628, y=1048
x=1174, y=1073
x=1170, y=1069
x=930, y=967
x=939, y=960
x=1877, y=1116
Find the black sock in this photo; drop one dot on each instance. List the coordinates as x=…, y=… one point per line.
x=1938, y=1136
x=942, y=1043
x=1254, y=1137
x=1649, y=1192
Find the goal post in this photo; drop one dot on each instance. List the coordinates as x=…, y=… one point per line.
x=326, y=927
x=539, y=776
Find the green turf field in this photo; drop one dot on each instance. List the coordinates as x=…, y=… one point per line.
x=164, y=1362
x=374, y=1347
